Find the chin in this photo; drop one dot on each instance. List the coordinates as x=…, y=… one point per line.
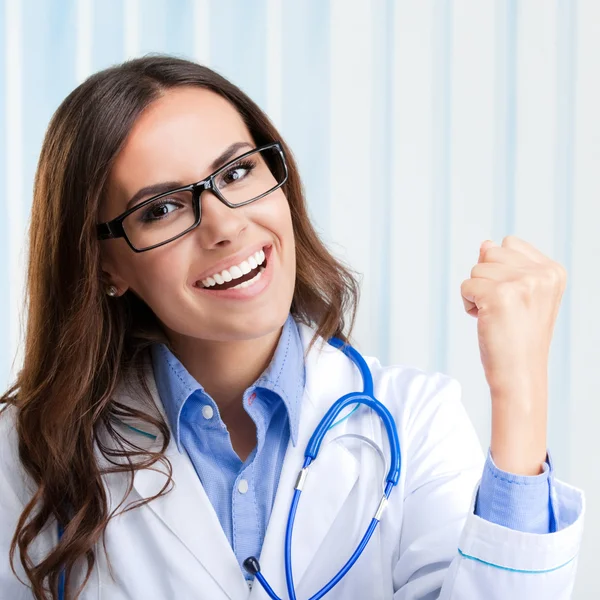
x=240, y=327
x=232, y=326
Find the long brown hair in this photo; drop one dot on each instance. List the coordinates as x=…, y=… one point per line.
x=79, y=343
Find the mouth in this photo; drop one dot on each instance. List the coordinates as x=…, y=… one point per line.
x=240, y=276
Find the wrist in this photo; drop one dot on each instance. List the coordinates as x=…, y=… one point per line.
x=520, y=387
x=519, y=427
x=518, y=443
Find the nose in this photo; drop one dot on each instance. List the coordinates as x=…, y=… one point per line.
x=219, y=225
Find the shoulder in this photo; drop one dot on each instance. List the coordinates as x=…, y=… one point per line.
x=414, y=395
x=410, y=393
x=412, y=384
x=14, y=482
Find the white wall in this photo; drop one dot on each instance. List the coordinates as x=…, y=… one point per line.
x=422, y=127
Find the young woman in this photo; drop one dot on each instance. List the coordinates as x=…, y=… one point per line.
x=177, y=363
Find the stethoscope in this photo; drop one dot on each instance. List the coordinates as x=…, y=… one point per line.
x=365, y=397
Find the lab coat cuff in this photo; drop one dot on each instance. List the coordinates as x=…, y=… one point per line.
x=508, y=549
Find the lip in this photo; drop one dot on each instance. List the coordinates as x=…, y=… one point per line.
x=247, y=292
x=233, y=260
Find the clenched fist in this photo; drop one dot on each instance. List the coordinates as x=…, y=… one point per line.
x=515, y=292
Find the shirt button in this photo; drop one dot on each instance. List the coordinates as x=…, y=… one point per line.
x=242, y=486
x=207, y=412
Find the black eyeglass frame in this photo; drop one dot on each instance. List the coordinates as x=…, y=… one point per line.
x=114, y=228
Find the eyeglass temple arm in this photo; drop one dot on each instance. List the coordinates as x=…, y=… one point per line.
x=105, y=232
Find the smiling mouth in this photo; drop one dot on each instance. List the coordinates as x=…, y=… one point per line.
x=252, y=274
x=247, y=277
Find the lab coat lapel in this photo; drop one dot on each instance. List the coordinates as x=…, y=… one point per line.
x=330, y=479
x=189, y=514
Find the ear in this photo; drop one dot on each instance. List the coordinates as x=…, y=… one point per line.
x=110, y=274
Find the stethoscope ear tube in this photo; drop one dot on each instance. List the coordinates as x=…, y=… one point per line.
x=314, y=444
x=358, y=360
x=368, y=398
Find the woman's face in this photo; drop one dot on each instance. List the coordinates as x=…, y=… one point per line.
x=175, y=140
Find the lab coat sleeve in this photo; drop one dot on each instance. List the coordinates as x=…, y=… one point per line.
x=445, y=550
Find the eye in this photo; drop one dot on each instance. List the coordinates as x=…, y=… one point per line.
x=236, y=173
x=160, y=209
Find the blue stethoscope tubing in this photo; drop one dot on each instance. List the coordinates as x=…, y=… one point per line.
x=366, y=398
x=329, y=420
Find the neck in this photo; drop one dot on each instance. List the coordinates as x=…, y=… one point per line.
x=226, y=369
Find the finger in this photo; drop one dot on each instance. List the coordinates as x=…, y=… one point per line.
x=494, y=271
x=470, y=307
x=473, y=291
x=506, y=256
x=484, y=247
x=514, y=243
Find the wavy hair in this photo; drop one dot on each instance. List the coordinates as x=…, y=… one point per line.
x=63, y=393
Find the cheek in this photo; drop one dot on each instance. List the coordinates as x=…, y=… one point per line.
x=283, y=228
x=275, y=216
x=158, y=276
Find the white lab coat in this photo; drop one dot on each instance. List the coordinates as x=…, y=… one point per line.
x=175, y=548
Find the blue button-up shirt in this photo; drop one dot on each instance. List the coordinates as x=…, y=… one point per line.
x=242, y=492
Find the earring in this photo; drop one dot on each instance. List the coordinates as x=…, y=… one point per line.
x=112, y=291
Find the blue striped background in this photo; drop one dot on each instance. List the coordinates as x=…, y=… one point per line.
x=239, y=34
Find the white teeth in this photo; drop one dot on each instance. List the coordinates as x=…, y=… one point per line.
x=250, y=282
x=237, y=271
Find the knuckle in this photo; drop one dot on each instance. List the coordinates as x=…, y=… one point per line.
x=562, y=274
x=505, y=292
x=553, y=276
x=556, y=275
x=530, y=285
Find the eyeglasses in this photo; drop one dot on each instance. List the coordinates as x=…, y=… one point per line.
x=167, y=216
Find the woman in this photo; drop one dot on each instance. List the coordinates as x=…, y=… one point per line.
x=176, y=365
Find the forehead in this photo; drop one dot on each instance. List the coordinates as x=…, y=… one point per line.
x=176, y=138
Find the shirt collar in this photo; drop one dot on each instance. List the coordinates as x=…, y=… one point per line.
x=285, y=376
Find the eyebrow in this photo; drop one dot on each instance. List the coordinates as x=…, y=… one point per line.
x=165, y=186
